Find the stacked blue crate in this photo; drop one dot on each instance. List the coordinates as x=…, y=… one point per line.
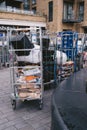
x=69, y=44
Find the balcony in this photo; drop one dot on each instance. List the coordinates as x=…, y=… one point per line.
x=71, y=20
x=72, y=14
x=15, y=10
x=9, y=9
x=19, y=17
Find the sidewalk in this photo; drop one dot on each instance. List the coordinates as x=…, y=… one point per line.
x=27, y=116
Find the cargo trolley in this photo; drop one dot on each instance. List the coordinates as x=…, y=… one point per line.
x=25, y=67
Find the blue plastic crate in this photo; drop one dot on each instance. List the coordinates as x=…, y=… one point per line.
x=68, y=47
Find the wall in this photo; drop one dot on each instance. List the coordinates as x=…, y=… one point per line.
x=42, y=6
x=15, y=16
x=57, y=25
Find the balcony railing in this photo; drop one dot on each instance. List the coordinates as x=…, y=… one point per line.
x=18, y=11
x=70, y=20
x=14, y=10
x=72, y=17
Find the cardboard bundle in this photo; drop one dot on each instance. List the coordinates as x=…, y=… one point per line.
x=69, y=63
x=29, y=95
x=29, y=91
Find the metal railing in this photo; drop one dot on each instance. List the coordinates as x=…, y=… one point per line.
x=14, y=10
x=19, y=11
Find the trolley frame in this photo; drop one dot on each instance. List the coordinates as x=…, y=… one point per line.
x=35, y=85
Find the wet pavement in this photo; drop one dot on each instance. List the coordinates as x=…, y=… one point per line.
x=71, y=100
x=27, y=116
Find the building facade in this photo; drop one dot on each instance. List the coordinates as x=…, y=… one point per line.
x=62, y=14
x=16, y=14
x=54, y=15
x=16, y=17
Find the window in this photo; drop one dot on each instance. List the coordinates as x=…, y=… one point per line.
x=81, y=11
x=50, y=13
x=68, y=11
x=33, y=1
x=34, y=10
x=3, y=4
x=26, y=5
x=11, y=4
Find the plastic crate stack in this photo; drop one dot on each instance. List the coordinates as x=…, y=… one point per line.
x=69, y=46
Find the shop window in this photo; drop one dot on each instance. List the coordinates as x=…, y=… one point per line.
x=50, y=13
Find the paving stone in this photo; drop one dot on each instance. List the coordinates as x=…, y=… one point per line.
x=38, y=123
x=29, y=127
x=43, y=128
x=27, y=116
x=21, y=125
x=43, y=116
x=13, y=117
x=2, y=121
x=11, y=128
x=10, y=123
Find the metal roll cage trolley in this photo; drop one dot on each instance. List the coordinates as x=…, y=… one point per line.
x=26, y=68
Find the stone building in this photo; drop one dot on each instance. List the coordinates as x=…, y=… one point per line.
x=16, y=14
x=62, y=14
x=54, y=15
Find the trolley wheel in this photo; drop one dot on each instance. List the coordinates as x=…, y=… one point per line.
x=40, y=104
x=13, y=102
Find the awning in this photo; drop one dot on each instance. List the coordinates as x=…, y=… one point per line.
x=21, y=23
